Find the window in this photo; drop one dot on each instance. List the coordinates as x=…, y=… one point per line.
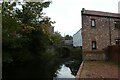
x=93, y=44
x=117, y=41
x=117, y=24
x=92, y=22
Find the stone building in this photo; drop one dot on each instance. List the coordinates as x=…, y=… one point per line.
x=99, y=30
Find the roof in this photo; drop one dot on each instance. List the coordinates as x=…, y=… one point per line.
x=100, y=13
x=78, y=31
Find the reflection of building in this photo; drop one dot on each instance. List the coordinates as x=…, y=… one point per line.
x=99, y=30
x=68, y=42
x=77, y=39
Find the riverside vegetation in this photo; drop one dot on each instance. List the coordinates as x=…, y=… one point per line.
x=29, y=51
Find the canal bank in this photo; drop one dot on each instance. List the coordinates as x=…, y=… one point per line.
x=98, y=69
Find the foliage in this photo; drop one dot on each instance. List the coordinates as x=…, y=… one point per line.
x=63, y=52
x=25, y=39
x=28, y=47
x=56, y=39
x=68, y=37
x=76, y=53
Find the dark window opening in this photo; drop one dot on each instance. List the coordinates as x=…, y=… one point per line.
x=94, y=45
x=117, y=41
x=92, y=22
x=117, y=24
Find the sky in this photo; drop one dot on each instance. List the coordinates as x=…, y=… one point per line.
x=67, y=13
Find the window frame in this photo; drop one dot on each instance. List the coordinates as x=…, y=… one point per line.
x=117, y=24
x=93, y=20
x=117, y=41
x=94, y=44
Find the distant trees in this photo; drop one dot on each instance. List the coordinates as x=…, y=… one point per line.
x=56, y=39
x=68, y=37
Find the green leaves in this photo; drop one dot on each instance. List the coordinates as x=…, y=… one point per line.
x=25, y=29
x=46, y=4
x=25, y=35
x=68, y=37
x=56, y=38
x=13, y=4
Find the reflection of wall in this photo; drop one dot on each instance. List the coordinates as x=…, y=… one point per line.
x=77, y=39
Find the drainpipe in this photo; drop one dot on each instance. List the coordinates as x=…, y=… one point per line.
x=109, y=31
x=119, y=31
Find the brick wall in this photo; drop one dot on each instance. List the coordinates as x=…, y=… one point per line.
x=94, y=55
x=104, y=33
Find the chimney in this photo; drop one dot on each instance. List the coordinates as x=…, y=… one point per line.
x=83, y=10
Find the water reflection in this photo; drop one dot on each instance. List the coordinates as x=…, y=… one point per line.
x=48, y=71
x=67, y=71
x=64, y=72
x=73, y=65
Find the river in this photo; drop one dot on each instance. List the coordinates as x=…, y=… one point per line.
x=68, y=70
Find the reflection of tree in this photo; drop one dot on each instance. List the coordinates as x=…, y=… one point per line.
x=63, y=52
x=74, y=66
x=57, y=71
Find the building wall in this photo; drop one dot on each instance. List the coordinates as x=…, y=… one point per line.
x=100, y=34
x=77, y=39
x=68, y=42
x=114, y=31
x=119, y=7
x=104, y=33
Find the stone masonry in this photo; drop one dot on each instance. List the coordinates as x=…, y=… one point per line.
x=104, y=33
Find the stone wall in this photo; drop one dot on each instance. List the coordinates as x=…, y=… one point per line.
x=94, y=55
x=100, y=34
x=104, y=33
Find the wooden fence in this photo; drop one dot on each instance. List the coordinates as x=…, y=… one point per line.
x=114, y=53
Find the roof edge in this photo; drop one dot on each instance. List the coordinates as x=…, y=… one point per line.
x=99, y=13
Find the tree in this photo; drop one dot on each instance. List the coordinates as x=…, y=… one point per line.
x=25, y=38
x=56, y=39
x=68, y=37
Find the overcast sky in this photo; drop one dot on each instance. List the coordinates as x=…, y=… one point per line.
x=67, y=13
